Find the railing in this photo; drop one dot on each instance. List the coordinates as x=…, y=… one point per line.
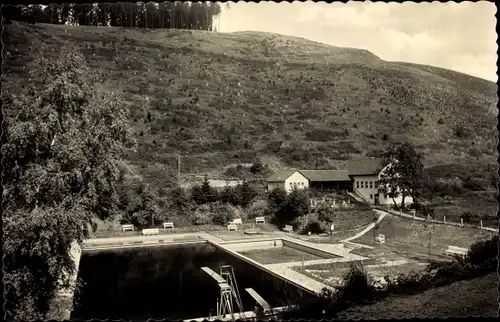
x=413, y=216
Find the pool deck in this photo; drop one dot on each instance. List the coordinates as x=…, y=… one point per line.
x=284, y=271
x=280, y=270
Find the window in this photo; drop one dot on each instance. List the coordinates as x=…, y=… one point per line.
x=371, y=196
x=357, y=184
x=371, y=184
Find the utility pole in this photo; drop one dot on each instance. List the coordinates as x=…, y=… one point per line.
x=179, y=170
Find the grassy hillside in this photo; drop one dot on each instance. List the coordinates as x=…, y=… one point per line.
x=220, y=99
x=476, y=297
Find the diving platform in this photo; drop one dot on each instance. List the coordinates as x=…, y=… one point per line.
x=263, y=303
x=214, y=275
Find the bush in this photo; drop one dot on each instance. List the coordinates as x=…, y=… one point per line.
x=315, y=227
x=469, y=217
x=462, y=132
x=257, y=209
x=202, y=215
x=484, y=253
x=325, y=212
x=296, y=205
x=356, y=287
x=220, y=213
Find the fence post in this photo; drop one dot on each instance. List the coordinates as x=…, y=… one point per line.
x=461, y=221
x=444, y=219
x=481, y=224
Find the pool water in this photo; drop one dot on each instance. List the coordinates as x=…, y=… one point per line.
x=167, y=282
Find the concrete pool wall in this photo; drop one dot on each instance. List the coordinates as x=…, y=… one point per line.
x=308, y=249
x=254, y=245
x=331, y=253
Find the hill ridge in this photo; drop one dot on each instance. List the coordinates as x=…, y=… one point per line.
x=219, y=98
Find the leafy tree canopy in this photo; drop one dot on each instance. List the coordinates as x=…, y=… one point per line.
x=404, y=172
x=62, y=140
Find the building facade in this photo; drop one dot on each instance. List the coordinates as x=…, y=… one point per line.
x=287, y=180
x=357, y=176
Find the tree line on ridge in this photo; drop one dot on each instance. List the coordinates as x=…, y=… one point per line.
x=165, y=15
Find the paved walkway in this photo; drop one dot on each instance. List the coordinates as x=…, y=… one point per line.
x=356, y=197
x=381, y=216
x=305, y=281
x=282, y=270
x=350, y=258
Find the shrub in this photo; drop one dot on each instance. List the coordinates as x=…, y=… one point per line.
x=325, y=212
x=462, y=132
x=469, y=217
x=296, y=205
x=202, y=215
x=245, y=194
x=484, y=253
x=257, y=209
x=356, y=287
x=315, y=227
x=258, y=167
x=220, y=213
x=201, y=218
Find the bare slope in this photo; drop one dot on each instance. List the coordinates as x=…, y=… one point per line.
x=223, y=98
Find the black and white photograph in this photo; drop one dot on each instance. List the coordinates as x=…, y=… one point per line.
x=252, y=161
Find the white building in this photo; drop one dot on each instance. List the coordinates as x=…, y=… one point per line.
x=360, y=177
x=287, y=180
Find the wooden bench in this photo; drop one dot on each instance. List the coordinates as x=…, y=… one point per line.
x=128, y=227
x=260, y=220
x=231, y=227
x=236, y=221
x=454, y=250
x=288, y=228
x=380, y=238
x=150, y=232
x=168, y=225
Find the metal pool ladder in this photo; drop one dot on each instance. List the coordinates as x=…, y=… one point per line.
x=227, y=272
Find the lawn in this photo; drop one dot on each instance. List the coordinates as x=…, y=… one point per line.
x=332, y=274
x=277, y=255
x=480, y=203
x=406, y=245
x=409, y=238
x=476, y=297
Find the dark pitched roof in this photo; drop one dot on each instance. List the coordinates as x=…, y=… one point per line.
x=326, y=175
x=363, y=167
x=280, y=176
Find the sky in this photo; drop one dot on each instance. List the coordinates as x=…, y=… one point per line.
x=456, y=36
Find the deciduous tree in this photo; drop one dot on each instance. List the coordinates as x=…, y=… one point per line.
x=62, y=141
x=403, y=173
